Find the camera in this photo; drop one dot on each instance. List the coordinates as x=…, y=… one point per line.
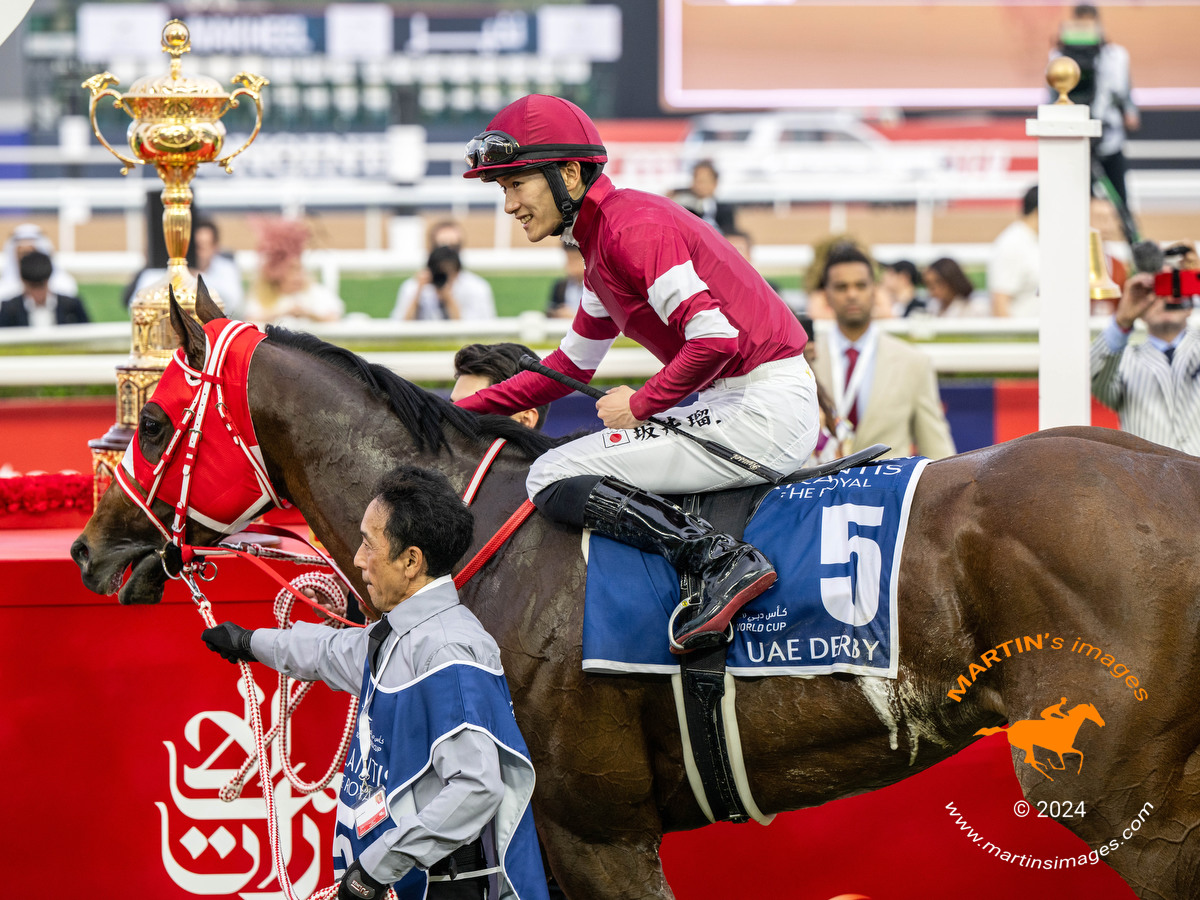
x=1179, y=286
x=443, y=264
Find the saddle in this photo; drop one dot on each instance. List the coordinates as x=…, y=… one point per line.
x=722, y=794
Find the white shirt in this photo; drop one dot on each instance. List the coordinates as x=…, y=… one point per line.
x=865, y=346
x=41, y=315
x=1015, y=268
x=473, y=293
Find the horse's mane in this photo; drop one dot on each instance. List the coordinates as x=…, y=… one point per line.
x=423, y=413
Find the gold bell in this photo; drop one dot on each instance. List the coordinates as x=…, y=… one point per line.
x=1100, y=285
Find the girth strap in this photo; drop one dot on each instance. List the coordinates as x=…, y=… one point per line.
x=703, y=674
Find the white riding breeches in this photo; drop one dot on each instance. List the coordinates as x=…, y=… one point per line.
x=769, y=415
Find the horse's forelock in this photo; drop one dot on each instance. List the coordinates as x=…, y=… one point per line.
x=421, y=412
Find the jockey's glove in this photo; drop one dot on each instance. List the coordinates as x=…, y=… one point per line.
x=356, y=884
x=231, y=641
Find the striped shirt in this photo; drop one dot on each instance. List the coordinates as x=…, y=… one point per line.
x=1155, y=399
x=663, y=277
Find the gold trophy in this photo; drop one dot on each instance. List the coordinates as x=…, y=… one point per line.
x=176, y=126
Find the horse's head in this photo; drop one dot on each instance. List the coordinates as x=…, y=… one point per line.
x=121, y=534
x=1088, y=711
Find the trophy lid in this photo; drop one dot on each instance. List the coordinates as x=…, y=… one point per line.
x=176, y=40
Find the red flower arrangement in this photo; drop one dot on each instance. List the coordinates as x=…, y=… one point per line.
x=25, y=497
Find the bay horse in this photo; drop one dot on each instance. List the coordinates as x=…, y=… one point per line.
x=1073, y=534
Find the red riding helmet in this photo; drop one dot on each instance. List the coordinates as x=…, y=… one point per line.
x=532, y=131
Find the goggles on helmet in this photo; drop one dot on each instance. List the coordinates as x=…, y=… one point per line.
x=491, y=148
x=498, y=149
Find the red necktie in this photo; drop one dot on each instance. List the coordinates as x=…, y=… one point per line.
x=851, y=362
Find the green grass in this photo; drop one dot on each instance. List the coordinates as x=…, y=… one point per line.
x=374, y=295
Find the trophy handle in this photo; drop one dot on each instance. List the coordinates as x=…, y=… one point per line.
x=99, y=85
x=252, y=86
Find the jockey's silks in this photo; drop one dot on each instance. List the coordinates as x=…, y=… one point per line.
x=405, y=725
x=225, y=491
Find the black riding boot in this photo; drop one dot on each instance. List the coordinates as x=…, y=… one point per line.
x=732, y=573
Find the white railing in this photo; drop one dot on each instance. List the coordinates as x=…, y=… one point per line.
x=74, y=200
x=956, y=347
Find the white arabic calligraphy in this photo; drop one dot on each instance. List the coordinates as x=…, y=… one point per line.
x=202, y=806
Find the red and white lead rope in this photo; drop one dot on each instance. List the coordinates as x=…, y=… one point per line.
x=288, y=701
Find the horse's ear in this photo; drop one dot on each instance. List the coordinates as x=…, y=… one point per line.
x=189, y=332
x=206, y=307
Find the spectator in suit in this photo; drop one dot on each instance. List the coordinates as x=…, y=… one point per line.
x=1152, y=386
x=1015, y=268
x=701, y=198
x=885, y=388
x=477, y=366
x=566, y=293
x=953, y=292
x=24, y=239
x=219, y=271
x=37, y=305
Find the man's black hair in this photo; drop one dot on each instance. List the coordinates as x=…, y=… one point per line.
x=424, y=511
x=1029, y=203
x=908, y=269
x=845, y=253
x=1085, y=11
x=496, y=363
x=36, y=268
x=707, y=164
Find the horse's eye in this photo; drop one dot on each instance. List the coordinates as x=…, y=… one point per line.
x=150, y=427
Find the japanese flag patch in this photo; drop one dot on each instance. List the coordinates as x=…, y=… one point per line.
x=614, y=437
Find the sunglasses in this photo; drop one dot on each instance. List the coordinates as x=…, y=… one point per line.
x=491, y=148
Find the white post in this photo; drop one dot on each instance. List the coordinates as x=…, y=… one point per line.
x=1064, y=178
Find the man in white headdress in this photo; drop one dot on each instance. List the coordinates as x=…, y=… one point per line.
x=23, y=239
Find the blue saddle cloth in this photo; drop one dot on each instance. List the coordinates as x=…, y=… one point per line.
x=835, y=543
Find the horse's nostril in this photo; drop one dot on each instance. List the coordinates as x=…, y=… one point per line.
x=79, y=551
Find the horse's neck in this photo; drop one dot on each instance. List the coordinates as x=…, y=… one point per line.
x=326, y=452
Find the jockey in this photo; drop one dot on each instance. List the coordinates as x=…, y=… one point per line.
x=663, y=277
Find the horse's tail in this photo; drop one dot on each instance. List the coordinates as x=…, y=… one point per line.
x=987, y=731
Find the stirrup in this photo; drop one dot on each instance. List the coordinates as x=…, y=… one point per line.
x=703, y=641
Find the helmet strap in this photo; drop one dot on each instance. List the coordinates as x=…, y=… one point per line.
x=568, y=206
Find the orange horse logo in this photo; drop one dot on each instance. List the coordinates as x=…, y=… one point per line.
x=1054, y=731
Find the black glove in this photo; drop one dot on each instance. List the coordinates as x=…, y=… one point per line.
x=229, y=640
x=356, y=884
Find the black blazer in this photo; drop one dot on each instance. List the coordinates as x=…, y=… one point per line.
x=67, y=311
x=723, y=216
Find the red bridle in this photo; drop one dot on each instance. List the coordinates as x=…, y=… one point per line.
x=186, y=396
x=229, y=493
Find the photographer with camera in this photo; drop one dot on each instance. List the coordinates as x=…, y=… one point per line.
x=437, y=292
x=1152, y=386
